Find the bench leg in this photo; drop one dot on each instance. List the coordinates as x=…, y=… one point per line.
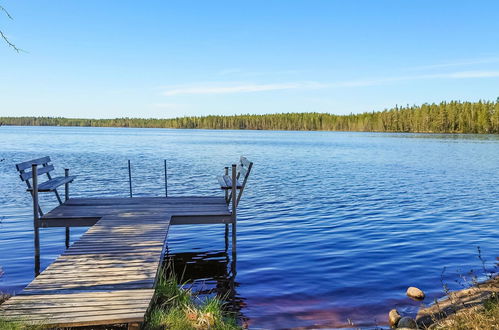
x=67, y=237
x=66, y=198
x=37, y=249
x=234, y=251
x=234, y=235
x=234, y=208
x=36, y=228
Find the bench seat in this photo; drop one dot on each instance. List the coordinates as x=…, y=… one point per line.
x=226, y=182
x=52, y=184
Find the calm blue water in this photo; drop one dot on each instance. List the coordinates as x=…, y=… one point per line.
x=333, y=227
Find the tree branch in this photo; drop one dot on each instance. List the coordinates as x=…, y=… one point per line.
x=6, y=12
x=9, y=43
x=3, y=36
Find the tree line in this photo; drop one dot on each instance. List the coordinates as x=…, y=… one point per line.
x=445, y=117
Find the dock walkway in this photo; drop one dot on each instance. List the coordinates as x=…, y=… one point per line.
x=108, y=275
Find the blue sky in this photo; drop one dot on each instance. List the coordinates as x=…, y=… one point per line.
x=104, y=59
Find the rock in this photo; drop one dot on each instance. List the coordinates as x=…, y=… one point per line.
x=393, y=317
x=407, y=322
x=415, y=293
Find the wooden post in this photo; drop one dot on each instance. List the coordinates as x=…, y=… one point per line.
x=226, y=237
x=66, y=197
x=226, y=191
x=36, y=219
x=130, y=177
x=166, y=181
x=234, y=208
x=226, y=201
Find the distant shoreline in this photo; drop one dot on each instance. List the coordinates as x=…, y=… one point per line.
x=452, y=117
x=255, y=130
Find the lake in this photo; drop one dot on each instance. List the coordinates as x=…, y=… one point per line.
x=333, y=226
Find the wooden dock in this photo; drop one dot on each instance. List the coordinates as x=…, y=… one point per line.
x=108, y=276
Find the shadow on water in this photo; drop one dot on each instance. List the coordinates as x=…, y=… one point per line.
x=207, y=274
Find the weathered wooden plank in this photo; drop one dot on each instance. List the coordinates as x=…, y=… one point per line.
x=193, y=200
x=146, y=257
x=81, y=304
x=68, y=222
x=205, y=219
x=108, y=265
x=53, y=183
x=116, y=245
x=74, y=289
x=151, y=209
x=142, y=282
x=28, y=175
x=75, y=319
x=27, y=164
x=97, y=276
x=87, y=295
x=65, y=311
x=92, y=320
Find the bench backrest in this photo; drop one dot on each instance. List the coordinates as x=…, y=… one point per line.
x=243, y=172
x=25, y=169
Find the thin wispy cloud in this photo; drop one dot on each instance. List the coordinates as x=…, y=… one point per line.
x=458, y=63
x=385, y=80
x=246, y=73
x=469, y=74
x=231, y=88
x=241, y=88
x=168, y=106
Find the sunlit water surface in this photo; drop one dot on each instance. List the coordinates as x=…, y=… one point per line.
x=333, y=227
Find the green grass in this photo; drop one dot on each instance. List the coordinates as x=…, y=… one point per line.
x=176, y=307
x=20, y=325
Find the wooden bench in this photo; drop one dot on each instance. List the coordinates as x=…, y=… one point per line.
x=38, y=167
x=234, y=189
x=240, y=171
x=51, y=184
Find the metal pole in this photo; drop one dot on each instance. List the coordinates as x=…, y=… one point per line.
x=166, y=181
x=66, y=197
x=130, y=177
x=234, y=207
x=36, y=218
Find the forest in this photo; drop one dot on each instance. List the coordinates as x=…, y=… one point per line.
x=446, y=117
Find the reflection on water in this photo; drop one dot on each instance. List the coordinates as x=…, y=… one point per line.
x=207, y=274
